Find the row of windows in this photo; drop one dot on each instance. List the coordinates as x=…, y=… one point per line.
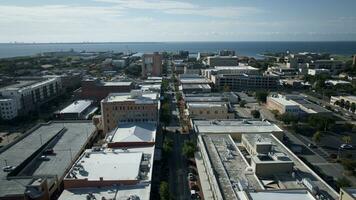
x=208, y=112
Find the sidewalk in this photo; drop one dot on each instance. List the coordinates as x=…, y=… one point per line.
x=203, y=177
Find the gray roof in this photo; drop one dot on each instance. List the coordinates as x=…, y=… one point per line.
x=77, y=106
x=65, y=138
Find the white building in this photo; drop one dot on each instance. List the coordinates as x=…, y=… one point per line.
x=8, y=109
x=31, y=93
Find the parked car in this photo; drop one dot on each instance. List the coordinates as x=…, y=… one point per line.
x=191, y=177
x=8, y=168
x=311, y=145
x=346, y=146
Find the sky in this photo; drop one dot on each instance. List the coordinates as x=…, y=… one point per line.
x=176, y=20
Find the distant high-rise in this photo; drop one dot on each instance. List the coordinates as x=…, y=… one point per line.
x=354, y=61
x=227, y=53
x=151, y=64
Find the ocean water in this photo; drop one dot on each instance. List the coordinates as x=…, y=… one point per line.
x=242, y=48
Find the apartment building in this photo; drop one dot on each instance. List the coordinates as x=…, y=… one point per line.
x=136, y=106
x=226, y=52
x=210, y=110
x=151, y=65
x=96, y=89
x=8, y=109
x=28, y=93
x=245, y=82
x=213, y=61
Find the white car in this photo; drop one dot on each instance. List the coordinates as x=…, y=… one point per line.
x=8, y=168
x=346, y=146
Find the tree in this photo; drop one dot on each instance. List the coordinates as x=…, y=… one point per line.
x=255, y=113
x=242, y=103
x=167, y=145
x=321, y=122
x=337, y=103
x=317, y=137
x=347, y=105
x=287, y=118
x=189, y=149
x=343, y=182
x=346, y=139
x=353, y=107
x=261, y=96
x=226, y=88
x=165, y=117
x=342, y=103
x=164, y=191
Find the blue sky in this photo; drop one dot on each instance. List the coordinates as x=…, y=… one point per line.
x=177, y=20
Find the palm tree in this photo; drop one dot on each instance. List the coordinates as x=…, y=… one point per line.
x=346, y=139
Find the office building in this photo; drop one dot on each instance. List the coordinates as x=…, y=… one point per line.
x=294, y=104
x=230, y=70
x=95, y=89
x=136, y=106
x=28, y=94
x=236, y=127
x=38, y=161
x=80, y=109
x=210, y=110
x=151, y=64
x=213, y=61
x=178, y=66
x=354, y=61
x=334, y=66
x=245, y=82
x=211, y=97
x=196, y=88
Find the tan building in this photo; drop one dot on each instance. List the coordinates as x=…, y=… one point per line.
x=136, y=106
x=283, y=105
x=151, y=64
x=354, y=61
x=347, y=194
x=210, y=110
x=213, y=61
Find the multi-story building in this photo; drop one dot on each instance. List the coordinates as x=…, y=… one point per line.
x=245, y=82
x=315, y=72
x=210, y=110
x=354, y=61
x=81, y=109
x=334, y=66
x=226, y=52
x=178, y=66
x=213, y=61
x=230, y=70
x=151, y=64
x=8, y=109
x=97, y=90
x=29, y=93
x=136, y=106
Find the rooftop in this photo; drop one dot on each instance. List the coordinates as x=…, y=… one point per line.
x=238, y=67
x=302, y=171
x=77, y=106
x=207, y=105
x=135, y=96
x=118, y=83
x=283, y=101
x=66, y=138
x=235, y=126
x=134, y=132
x=279, y=194
x=196, y=86
x=229, y=165
x=118, y=192
x=112, y=164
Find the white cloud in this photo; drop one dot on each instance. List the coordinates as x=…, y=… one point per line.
x=184, y=8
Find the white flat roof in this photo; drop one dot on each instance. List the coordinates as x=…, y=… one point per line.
x=238, y=67
x=111, y=164
x=134, y=132
x=118, y=192
x=290, y=195
x=119, y=83
x=146, y=97
x=235, y=126
x=206, y=105
x=77, y=106
x=283, y=101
